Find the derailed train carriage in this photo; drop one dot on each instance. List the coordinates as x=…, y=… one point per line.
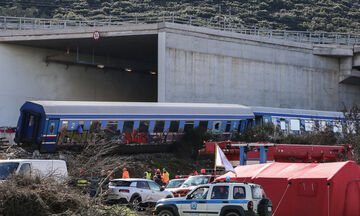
x=49, y=124
x=300, y=121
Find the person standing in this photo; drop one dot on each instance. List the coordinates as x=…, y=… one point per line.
x=83, y=183
x=126, y=174
x=102, y=175
x=93, y=184
x=165, y=176
x=148, y=174
x=157, y=177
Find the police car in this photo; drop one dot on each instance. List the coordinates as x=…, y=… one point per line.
x=226, y=199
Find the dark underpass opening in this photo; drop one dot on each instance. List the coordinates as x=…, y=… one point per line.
x=122, y=68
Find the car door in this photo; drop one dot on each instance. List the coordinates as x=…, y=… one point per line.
x=219, y=197
x=195, y=203
x=144, y=190
x=156, y=193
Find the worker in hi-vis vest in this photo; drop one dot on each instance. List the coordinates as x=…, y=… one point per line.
x=125, y=173
x=83, y=183
x=165, y=176
x=148, y=174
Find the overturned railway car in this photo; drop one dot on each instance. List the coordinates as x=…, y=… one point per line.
x=47, y=125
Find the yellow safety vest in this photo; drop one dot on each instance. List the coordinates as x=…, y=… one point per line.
x=82, y=183
x=148, y=175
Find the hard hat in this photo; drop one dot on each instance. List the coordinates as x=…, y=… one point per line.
x=227, y=178
x=124, y=169
x=81, y=171
x=202, y=171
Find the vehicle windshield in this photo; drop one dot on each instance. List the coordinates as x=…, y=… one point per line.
x=175, y=183
x=7, y=168
x=196, y=180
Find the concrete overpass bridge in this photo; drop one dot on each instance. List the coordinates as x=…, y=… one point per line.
x=171, y=60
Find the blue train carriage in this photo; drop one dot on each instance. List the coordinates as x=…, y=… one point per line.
x=299, y=121
x=48, y=124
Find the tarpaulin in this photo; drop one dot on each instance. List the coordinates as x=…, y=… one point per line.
x=321, y=189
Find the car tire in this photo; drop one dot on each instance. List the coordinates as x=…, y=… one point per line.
x=264, y=206
x=135, y=203
x=232, y=214
x=165, y=213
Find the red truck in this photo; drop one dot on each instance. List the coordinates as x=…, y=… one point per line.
x=284, y=152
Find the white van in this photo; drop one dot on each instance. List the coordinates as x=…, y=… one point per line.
x=36, y=168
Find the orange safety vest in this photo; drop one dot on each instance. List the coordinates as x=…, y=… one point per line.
x=165, y=177
x=126, y=174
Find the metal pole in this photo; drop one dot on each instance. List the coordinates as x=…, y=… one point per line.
x=242, y=156
x=263, y=157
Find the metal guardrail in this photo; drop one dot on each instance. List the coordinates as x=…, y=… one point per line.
x=222, y=23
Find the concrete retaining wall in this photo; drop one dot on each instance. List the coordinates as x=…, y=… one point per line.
x=206, y=67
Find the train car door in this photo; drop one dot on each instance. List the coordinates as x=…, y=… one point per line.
x=30, y=126
x=53, y=127
x=49, y=139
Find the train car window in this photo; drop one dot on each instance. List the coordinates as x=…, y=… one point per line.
x=282, y=124
x=174, y=126
x=309, y=125
x=81, y=126
x=128, y=126
x=203, y=125
x=258, y=120
x=295, y=124
x=322, y=125
x=159, y=126
x=95, y=126
x=188, y=125
x=144, y=126
x=250, y=123
x=111, y=127
x=64, y=126
x=31, y=121
x=216, y=126
x=52, y=128
x=228, y=126
x=337, y=127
